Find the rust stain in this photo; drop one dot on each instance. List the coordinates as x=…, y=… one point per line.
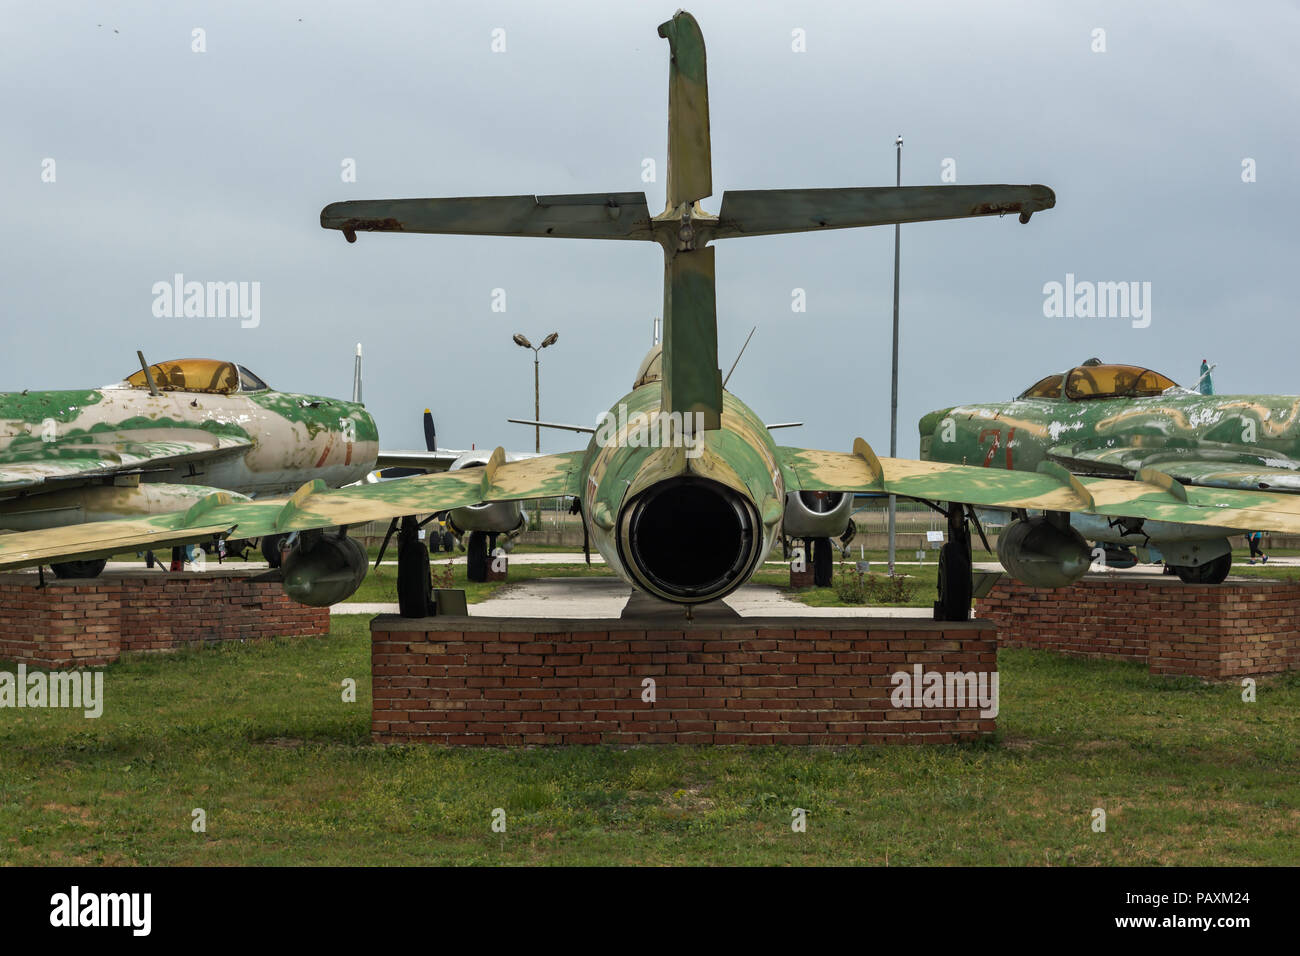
x=372, y=225
x=995, y=208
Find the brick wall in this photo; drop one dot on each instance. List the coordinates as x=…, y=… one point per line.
x=74, y=623
x=481, y=681
x=1213, y=631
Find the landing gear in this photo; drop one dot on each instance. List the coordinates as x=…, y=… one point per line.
x=271, y=549
x=79, y=569
x=413, y=583
x=1211, y=572
x=954, y=602
x=476, y=568
x=821, y=562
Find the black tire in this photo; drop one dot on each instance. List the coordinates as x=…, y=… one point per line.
x=955, y=583
x=79, y=569
x=448, y=542
x=823, y=567
x=1211, y=572
x=477, y=563
x=271, y=549
x=412, y=577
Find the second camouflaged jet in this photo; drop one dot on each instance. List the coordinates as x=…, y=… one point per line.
x=166, y=437
x=1125, y=421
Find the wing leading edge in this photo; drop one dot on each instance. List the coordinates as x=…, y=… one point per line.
x=1150, y=494
x=312, y=506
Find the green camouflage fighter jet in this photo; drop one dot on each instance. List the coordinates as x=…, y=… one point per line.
x=680, y=487
x=166, y=437
x=1123, y=421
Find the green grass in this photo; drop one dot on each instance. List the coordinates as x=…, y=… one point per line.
x=380, y=584
x=258, y=736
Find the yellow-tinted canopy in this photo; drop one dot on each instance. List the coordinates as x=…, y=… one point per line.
x=190, y=375
x=1101, y=381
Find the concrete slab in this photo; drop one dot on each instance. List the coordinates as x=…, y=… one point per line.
x=603, y=598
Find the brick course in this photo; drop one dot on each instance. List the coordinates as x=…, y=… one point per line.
x=76, y=623
x=484, y=681
x=1213, y=631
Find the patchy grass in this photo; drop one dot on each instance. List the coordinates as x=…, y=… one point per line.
x=258, y=736
x=380, y=584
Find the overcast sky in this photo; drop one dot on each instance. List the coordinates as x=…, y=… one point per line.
x=216, y=165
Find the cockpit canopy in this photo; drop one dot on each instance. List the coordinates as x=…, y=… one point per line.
x=1095, y=380
x=199, y=375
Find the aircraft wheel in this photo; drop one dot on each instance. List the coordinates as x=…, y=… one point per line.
x=448, y=542
x=271, y=549
x=79, y=569
x=1212, y=572
x=821, y=560
x=477, y=563
x=412, y=575
x=955, y=583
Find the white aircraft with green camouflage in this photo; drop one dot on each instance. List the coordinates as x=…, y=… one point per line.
x=164, y=438
x=686, y=493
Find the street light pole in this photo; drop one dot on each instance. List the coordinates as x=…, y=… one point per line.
x=522, y=341
x=537, y=401
x=893, y=377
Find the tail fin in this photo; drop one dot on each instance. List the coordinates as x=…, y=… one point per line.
x=430, y=436
x=692, y=380
x=690, y=163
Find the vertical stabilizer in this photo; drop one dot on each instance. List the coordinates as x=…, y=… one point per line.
x=690, y=165
x=692, y=382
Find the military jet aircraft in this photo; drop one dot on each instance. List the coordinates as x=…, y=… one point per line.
x=166, y=437
x=686, y=495
x=1121, y=421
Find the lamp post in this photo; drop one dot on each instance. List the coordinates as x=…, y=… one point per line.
x=523, y=342
x=893, y=377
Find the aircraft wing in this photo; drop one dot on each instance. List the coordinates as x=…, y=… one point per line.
x=1150, y=494
x=311, y=506
x=429, y=461
x=1209, y=464
x=36, y=466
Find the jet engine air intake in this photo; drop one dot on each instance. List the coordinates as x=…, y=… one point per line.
x=816, y=514
x=690, y=539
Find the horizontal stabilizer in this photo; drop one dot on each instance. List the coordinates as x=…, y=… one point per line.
x=760, y=212
x=574, y=216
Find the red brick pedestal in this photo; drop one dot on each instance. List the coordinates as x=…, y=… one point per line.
x=1213, y=631
x=500, y=681
x=75, y=623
